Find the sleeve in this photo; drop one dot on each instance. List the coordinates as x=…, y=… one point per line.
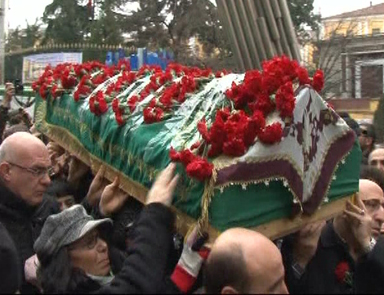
x=370, y=271
x=145, y=266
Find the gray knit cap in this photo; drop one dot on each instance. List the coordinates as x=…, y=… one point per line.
x=62, y=229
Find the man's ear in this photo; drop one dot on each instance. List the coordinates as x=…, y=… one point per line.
x=5, y=171
x=229, y=290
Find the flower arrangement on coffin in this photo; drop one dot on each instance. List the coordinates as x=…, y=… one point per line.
x=235, y=129
x=167, y=93
x=64, y=78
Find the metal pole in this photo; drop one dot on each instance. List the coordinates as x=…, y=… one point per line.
x=3, y=11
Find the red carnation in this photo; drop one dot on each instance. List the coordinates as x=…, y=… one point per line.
x=341, y=271
x=200, y=169
x=119, y=118
x=234, y=147
x=132, y=102
x=271, y=134
x=285, y=100
x=115, y=105
x=255, y=125
x=175, y=156
x=302, y=74
x=263, y=103
x=202, y=127
x=318, y=80
x=186, y=157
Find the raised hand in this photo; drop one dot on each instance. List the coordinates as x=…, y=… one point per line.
x=112, y=198
x=305, y=244
x=97, y=187
x=9, y=93
x=163, y=188
x=360, y=225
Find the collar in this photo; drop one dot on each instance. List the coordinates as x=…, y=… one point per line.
x=13, y=202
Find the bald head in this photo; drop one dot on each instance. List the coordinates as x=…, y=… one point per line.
x=20, y=145
x=244, y=261
x=372, y=196
x=24, y=165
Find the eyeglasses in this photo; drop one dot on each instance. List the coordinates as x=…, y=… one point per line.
x=89, y=242
x=37, y=172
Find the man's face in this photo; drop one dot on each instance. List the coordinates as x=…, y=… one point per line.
x=376, y=159
x=28, y=176
x=373, y=199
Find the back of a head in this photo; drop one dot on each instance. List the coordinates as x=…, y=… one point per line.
x=243, y=261
x=15, y=128
x=226, y=268
x=374, y=174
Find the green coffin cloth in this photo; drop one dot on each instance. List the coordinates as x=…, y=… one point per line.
x=139, y=151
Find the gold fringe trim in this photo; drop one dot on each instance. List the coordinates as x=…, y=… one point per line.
x=206, y=199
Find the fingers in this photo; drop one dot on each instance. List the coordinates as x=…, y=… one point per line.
x=100, y=173
x=359, y=202
x=354, y=208
x=352, y=215
x=167, y=173
x=116, y=182
x=172, y=185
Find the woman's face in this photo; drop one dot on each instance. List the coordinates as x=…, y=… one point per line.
x=90, y=254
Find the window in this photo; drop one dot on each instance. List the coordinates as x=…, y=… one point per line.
x=376, y=31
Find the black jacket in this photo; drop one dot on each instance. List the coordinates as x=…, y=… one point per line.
x=144, y=269
x=370, y=271
x=10, y=280
x=24, y=224
x=320, y=274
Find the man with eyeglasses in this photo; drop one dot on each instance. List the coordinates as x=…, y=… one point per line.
x=347, y=247
x=24, y=177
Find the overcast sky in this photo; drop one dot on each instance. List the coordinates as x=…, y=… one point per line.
x=22, y=10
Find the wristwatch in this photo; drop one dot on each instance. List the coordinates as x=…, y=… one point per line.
x=298, y=271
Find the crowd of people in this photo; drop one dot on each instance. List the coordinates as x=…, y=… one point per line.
x=65, y=230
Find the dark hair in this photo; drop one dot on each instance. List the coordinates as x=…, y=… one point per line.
x=226, y=269
x=61, y=188
x=15, y=128
x=57, y=275
x=374, y=174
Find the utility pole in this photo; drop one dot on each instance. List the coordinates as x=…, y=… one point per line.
x=3, y=11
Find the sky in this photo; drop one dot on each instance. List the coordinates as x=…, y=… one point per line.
x=22, y=10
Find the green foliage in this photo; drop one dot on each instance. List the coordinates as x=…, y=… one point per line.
x=67, y=22
x=378, y=122
x=303, y=16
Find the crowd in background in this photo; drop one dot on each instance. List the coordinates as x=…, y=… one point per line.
x=65, y=230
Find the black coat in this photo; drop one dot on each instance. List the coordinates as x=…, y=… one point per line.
x=320, y=274
x=10, y=280
x=370, y=271
x=144, y=268
x=24, y=224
